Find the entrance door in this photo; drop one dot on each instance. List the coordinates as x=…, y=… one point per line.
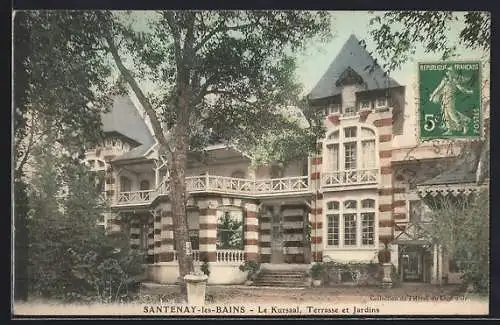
x=277, y=255
x=412, y=263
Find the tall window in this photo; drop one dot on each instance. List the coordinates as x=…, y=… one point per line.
x=230, y=230
x=194, y=229
x=350, y=149
x=144, y=186
x=351, y=223
x=368, y=222
x=144, y=237
x=125, y=184
x=333, y=223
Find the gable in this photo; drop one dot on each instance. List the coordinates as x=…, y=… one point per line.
x=353, y=56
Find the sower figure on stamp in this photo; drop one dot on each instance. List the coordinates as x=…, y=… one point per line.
x=444, y=93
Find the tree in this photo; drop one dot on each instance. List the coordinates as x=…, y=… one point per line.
x=59, y=82
x=462, y=226
x=219, y=75
x=70, y=258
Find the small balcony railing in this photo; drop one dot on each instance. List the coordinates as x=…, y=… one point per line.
x=195, y=255
x=230, y=256
x=350, y=177
x=136, y=197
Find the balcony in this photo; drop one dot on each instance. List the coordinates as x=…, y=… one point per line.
x=135, y=197
x=350, y=177
x=220, y=184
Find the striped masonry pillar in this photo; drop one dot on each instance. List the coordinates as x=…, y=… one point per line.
x=165, y=253
x=293, y=232
x=157, y=232
x=112, y=222
x=316, y=211
x=383, y=123
x=251, y=234
x=265, y=235
x=135, y=232
x=208, y=229
x=151, y=240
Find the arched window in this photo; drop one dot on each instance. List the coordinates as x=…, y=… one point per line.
x=350, y=223
x=144, y=185
x=351, y=148
x=125, y=184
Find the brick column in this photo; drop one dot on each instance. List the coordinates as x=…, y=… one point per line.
x=135, y=232
x=383, y=123
x=251, y=234
x=208, y=229
x=151, y=240
x=166, y=250
x=316, y=211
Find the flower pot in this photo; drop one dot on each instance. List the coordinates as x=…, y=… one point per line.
x=387, y=280
x=316, y=282
x=384, y=256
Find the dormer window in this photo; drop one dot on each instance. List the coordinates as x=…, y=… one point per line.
x=350, y=110
x=381, y=102
x=365, y=104
x=334, y=108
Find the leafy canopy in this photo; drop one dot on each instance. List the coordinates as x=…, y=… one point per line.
x=237, y=68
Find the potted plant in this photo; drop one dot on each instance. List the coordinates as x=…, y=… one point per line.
x=252, y=267
x=316, y=274
x=384, y=255
x=384, y=258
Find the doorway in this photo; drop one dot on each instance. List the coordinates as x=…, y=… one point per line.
x=277, y=255
x=414, y=263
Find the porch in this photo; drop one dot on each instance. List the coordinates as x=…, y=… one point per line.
x=251, y=188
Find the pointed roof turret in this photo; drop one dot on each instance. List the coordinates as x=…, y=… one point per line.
x=352, y=58
x=124, y=118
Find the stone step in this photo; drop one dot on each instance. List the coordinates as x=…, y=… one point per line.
x=282, y=275
x=280, y=284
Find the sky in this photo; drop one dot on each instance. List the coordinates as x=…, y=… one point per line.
x=313, y=63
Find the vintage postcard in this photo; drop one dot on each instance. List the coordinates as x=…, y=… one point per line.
x=250, y=163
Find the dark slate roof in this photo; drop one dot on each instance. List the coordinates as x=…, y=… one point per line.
x=137, y=152
x=124, y=118
x=463, y=171
x=354, y=56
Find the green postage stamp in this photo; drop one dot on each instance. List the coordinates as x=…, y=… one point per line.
x=450, y=100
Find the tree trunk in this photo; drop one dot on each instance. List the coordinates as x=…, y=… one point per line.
x=178, y=193
x=21, y=242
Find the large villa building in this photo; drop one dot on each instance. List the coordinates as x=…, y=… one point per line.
x=360, y=192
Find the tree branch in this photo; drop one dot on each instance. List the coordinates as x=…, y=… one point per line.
x=153, y=117
x=23, y=161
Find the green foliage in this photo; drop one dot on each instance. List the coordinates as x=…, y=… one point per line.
x=59, y=79
x=317, y=270
x=229, y=232
x=205, y=268
x=252, y=267
x=398, y=34
x=70, y=258
x=461, y=225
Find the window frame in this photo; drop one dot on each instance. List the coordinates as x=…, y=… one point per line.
x=341, y=140
x=377, y=105
x=220, y=215
x=337, y=209
x=365, y=101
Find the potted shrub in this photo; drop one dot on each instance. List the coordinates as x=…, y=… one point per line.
x=384, y=258
x=384, y=255
x=252, y=267
x=316, y=274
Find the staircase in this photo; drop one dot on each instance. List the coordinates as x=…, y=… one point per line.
x=281, y=278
